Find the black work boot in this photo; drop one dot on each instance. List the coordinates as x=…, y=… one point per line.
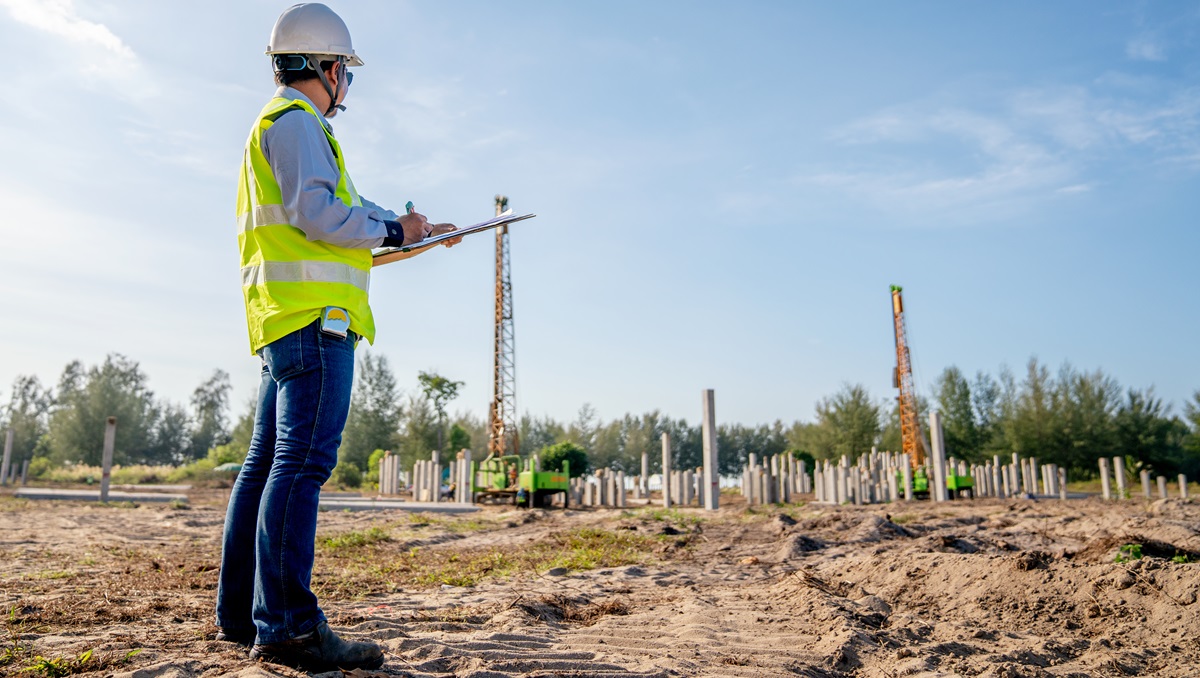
x=234, y=636
x=320, y=650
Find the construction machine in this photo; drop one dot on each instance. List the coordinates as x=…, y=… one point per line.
x=501, y=479
x=912, y=440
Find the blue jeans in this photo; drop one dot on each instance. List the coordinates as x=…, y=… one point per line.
x=271, y=522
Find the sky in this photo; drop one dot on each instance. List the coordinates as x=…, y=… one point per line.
x=724, y=191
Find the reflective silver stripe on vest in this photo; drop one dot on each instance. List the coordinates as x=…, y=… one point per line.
x=305, y=271
x=262, y=215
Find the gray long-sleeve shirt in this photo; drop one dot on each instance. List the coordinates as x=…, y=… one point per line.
x=307, y=173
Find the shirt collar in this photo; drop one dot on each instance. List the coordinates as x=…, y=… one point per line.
x=293, y=94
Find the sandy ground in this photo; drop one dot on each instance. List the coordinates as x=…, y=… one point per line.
x=983, y=588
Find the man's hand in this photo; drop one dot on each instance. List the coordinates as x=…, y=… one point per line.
x=416, y=228
x=442, y=229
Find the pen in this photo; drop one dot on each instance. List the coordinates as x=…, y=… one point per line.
x=408, y=208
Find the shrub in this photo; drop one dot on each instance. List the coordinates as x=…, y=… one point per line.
x=552, y=458
x=373, y=468
x=40, y=466
x=346, y=474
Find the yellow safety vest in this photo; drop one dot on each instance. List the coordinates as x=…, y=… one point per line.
x=286, y=279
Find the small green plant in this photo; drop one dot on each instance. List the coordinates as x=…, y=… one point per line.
x=1180, y=558
x=85, y=662
x=1128, y=552
x=356, y=539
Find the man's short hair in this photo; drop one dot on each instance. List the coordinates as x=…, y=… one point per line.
x=286, y=77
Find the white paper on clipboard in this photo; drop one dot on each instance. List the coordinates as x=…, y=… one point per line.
x=390, y=254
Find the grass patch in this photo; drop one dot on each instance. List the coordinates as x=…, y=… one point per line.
x=85, y=663
x=382, y=568
x=452, y=524
x=665, y=515
x=356, y=539
x=904, y=518
x=52, y=574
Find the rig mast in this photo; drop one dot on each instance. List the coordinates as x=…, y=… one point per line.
x=502, y=417
x=913, y=443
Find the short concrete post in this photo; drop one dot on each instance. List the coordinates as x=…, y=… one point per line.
x=1062, y=484
x=936, y=435
x=644, y=481
x=712, y=479
x=24, y=472
x=666, y=470
x=110, y=441
x=996, y=485
x=1162, y=486
x=437, y=476
x=1182, y=486
x=8, y=445
x=1105, y=483
x=1146, y=484
x=906, y=467
x=1119, y=472
x=1015, y=470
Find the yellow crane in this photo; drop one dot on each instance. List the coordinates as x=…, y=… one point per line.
x=912, y=441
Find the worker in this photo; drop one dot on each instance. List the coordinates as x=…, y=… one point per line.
x=305, y=237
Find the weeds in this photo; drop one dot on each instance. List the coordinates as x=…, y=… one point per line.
x=380, y=567
x=356, y=539
x=1129, y=552
x=86, y=662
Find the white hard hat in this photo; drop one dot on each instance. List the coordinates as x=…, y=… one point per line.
x=312, y=28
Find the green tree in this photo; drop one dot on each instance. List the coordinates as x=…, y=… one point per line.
x=459, y=439
x=958, y=416
x=552, y=458
x=1083, y=420
x=986, y=403
x=243, y=430
x=171, y=435
x=439, y=391
x=849, y=421
x=87, y=397
x=210, y=414
x=418, y=430
x=1144, y=429
x=27, y=414
x=375, y=412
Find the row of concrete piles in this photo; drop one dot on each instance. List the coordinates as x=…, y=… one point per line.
x=606, y=488
x=1118, y=468
x=8, y=471
x=426, y=478
x=776, y=479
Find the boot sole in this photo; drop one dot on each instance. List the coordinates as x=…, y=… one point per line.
x=314, y=665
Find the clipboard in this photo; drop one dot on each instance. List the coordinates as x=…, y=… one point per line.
x=389, y=254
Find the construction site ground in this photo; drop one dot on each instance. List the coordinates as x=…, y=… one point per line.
x=971, y=588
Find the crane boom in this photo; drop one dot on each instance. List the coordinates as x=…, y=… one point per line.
x=910, y=426
x=503, y=434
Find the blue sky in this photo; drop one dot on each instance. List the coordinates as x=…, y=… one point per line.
x=725, y=191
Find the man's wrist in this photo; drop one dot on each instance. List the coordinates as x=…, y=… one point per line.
x=395, y=234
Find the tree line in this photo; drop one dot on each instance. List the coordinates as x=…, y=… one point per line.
x=1069, y=417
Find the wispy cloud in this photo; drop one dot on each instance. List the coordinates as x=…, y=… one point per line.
x=1005, y=153
x=1145, y=48
x=59, y=17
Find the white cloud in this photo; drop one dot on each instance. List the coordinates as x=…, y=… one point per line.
x=956, y=163
x=1075, y=188
x=59, y=17
x=1145, y=48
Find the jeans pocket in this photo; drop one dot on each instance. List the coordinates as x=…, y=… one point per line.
x=285, y=356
